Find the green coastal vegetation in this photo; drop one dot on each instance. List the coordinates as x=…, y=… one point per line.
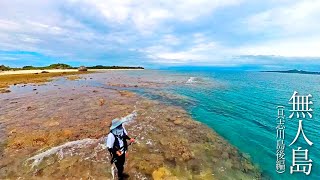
x=52, y=66
x=4, y=68
x=64, y=66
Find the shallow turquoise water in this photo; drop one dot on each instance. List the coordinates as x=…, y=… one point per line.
x=242, y=109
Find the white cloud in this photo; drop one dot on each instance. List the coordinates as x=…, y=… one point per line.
x=293, y=47
x=93, y=26
x=289, y=29
x=213, y=53
x=290, y=19
x=147, y=15
x=170, y=39
x=200, y=51
x=93, y=29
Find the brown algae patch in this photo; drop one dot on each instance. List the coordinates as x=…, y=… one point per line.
x=13, y=79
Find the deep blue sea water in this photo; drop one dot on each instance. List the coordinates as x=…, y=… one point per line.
x=242, y=108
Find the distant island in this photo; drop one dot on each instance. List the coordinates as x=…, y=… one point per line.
x=64, y=66
x=295, y=71
x=114, y=67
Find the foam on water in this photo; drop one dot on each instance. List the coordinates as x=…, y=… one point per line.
x=130, y=117
x=198, y=80
x=191, y=80
x=58, y=150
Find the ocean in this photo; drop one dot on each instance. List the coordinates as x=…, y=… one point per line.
x=242, y=108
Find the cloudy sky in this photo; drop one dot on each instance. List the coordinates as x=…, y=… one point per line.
x=233, y=33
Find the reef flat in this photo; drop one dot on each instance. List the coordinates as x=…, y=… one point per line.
x=58, y=132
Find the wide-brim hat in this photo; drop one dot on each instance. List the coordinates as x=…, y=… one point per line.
x=116, y=122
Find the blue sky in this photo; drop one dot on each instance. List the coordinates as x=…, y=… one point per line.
x=274, y=34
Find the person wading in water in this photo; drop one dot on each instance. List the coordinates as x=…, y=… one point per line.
x=117, y=145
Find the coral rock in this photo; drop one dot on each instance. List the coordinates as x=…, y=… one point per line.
x=160, y=173
x=177, y=122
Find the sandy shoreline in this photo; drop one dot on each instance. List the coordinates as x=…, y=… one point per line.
x=57, y=70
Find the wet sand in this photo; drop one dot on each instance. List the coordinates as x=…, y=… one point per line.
x=58, y=130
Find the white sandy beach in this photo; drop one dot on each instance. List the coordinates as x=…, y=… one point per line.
x=36, y=71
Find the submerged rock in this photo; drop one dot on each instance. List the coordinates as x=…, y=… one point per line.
x=4, y=90
x=160, y=173
x=177, y=122
x=102, y=101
